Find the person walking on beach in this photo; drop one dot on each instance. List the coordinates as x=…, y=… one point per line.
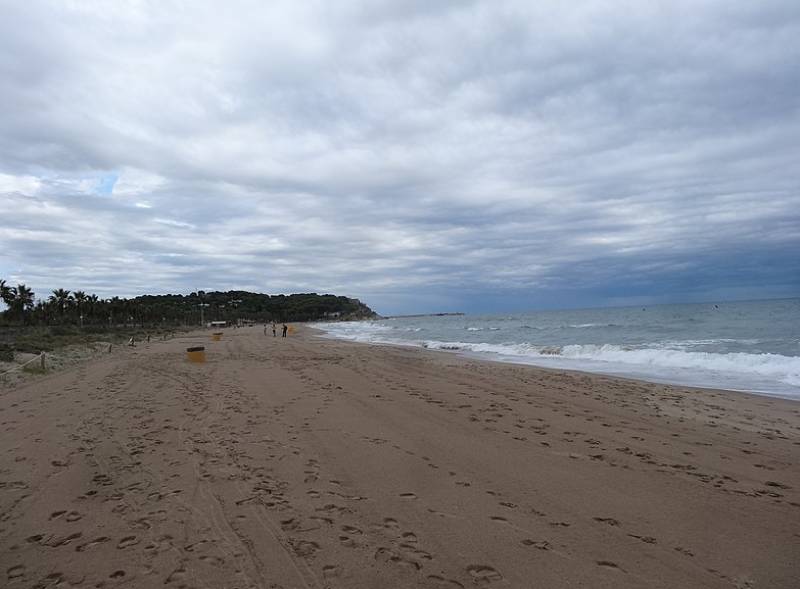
x=274, y=330
x=285, y=329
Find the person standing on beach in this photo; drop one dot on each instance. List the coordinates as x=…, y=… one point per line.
x=274, y=330
x=285, y=329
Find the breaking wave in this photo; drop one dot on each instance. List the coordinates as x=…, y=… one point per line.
x=783, y=368
x=677, y=361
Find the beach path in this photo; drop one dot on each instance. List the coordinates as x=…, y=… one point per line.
x=308, y=463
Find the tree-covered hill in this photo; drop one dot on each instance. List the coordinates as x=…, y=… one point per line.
x=237, y=304
x=63, y=307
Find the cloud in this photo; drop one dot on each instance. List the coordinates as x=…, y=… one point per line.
x=442, y=153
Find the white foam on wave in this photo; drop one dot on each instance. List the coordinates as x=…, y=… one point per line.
x=784, y=368
x=694, y=343
x=588, y=325
x=768, y=373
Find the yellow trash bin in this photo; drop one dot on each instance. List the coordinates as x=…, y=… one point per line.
x=196, y=354
x=216, y=336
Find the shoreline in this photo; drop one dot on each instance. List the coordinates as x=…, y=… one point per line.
x=306, y=462
x=485, y=357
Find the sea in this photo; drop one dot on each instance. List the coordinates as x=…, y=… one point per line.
x=751, y=346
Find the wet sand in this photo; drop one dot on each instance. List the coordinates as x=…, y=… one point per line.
x=304, y=462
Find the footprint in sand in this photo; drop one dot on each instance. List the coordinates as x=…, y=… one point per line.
x=483, y=574
x=541, y=545
x=95, y=542
x=304, y=548
x=386, y=555
x=176, y=575
x=442, y=583
x=162, y=544
x=777, y=485
x=72, y=516
x=214, y=561
x=63, y=541
x=290, y=524
x=127, y=541
x=645, y=539
x=15, y=572
x=351, y=530
x=412, y=551
x=391, y=524
x=609, y=565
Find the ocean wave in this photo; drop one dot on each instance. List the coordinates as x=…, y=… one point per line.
x=590, y=325
x=665, y=361
x=785, y=369
x=694, y=343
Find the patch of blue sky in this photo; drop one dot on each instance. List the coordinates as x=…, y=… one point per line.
x=105, y=184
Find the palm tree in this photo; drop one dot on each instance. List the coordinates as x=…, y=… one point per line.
x=23, y=300
x=60, y=298
x=93, y=301
x=6, y=293
x=25, y=297
x=80, y=298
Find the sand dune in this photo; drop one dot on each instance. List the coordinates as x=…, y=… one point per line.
x=309, y=463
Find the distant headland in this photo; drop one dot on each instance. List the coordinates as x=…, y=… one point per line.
x=423, y=315
x=63, y=307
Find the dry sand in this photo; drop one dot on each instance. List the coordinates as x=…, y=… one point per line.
x=303, y=462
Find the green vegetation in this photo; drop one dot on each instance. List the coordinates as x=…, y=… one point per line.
x=66, y=318
x=33, y=339
x=88, y=313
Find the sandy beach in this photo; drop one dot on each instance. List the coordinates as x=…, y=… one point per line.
x=308, y=463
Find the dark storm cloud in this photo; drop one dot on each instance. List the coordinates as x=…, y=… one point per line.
x=419, y=155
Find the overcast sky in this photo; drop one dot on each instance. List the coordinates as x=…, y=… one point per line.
x=421, y=156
